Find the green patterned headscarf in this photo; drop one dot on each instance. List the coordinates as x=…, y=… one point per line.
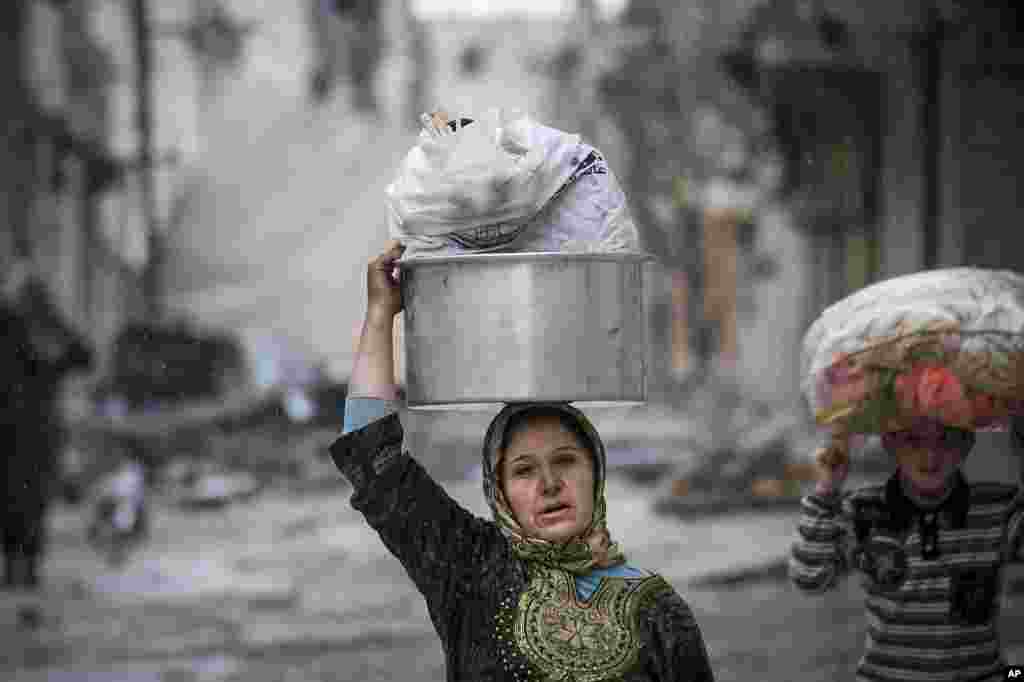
x=592, y=549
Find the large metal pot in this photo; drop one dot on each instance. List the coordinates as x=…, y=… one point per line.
x=496, y=328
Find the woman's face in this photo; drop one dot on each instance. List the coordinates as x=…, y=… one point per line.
x=927, y=462
x=548, y=480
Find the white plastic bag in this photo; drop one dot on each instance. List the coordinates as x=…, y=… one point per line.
x=590, y=214
x=506, y=183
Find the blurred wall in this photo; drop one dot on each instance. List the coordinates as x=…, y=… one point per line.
x=942, y=171
x=74, y=202
x=498, y=62
x=949, y=130
x=976, y=126
x=731, y=259
x=982, y=132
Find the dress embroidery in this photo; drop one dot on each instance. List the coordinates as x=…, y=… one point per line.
x=566, y=640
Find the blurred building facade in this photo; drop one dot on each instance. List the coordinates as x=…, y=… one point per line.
x=690, y=147
x=280, y=196
x=497, y=62
x=376, y=51
x=904, y=109
x=73, y=182
x=105, y=106
x=782, y=154
x=892, y=123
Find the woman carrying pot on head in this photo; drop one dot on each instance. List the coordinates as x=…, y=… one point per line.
x=541, y=592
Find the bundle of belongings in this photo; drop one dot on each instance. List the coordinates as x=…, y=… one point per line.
x=505, y=183
x=942, y=344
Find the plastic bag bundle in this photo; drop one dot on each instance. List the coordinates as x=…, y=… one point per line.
x=945, y=345
x=505, y=183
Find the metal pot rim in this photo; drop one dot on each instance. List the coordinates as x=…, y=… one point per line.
x=495, y=404
x=528, y=257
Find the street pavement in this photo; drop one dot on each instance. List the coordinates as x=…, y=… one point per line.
x=295, y=587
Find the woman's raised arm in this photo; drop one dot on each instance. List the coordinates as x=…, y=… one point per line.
x=373, y=373
x=441, y=545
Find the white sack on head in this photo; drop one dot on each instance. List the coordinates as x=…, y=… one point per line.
x=506, y=183
x=978, y=300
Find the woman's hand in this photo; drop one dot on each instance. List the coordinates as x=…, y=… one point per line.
x=383, y=291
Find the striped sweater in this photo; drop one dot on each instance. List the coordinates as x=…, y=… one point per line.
x=931, y=577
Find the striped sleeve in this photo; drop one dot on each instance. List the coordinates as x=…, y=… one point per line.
x=1015, y=529
x=818, y=558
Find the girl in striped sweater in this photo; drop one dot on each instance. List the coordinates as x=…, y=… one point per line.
x=930, y=548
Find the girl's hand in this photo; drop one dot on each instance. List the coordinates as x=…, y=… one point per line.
x=384, y=295
x=833, y=465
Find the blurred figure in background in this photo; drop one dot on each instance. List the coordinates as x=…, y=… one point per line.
x=119, y=515
x=39, y=350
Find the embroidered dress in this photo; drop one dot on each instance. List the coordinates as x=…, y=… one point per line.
x=505, y=609
x=931, y=574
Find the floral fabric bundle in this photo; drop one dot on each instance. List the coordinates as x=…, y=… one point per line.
x=944, y=344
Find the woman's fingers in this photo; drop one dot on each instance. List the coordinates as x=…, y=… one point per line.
x=393, y=249
x=389, y=258
x=388, y=261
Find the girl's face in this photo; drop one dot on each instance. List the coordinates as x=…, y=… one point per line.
x=927, y=461
x=548, y=480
